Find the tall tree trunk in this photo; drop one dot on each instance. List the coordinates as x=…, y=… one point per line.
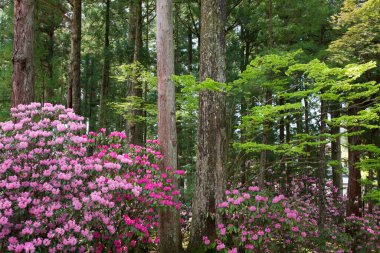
x=177, y=46
x=336, y=153
x=268, y=100
x=282, y=141
x=270, y=24
x=74, y=92
x=322, y=165
x=190, y=50
x=210, y=166
x=354, y=188
x=48, y=91
x=135, y=127
x=265, y=141
x=106, y=67
x=287, y=165
x=169, y=226
x=23, y=53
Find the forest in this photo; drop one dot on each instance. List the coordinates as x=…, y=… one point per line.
x=190, y=126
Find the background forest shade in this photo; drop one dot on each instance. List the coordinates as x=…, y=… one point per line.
x=301, y=75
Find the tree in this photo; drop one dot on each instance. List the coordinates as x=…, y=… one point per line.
x=169, y=226
x=210, y=166
x=106, y=67
x=74, y=91
x=23, y=53
x=359, y=25
x=135, y=125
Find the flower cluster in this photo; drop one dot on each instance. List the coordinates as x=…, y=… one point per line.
x=258, y=221
x=64, y=191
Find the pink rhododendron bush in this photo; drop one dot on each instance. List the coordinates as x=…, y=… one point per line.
x=63, y=191
x=258, y=221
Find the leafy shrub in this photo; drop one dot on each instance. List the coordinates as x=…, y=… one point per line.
x=62, y=190
x=258, y=221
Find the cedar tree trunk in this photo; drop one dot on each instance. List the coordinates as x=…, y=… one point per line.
x=210, y=165
x=169, y=230
x=23, y=53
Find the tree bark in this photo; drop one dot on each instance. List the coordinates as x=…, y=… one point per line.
x=189, y=50
x=265, y=141
x=169, y=226
x=106, y=67
x=354, y=188
x=270, y=24
x=23, y=53
x=288, y=172
x=210, y=165
x=136, y=127
x=336, y=153
x=322, y=165
x=74, y=92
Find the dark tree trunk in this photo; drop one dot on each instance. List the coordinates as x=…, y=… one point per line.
x=322, y=165
x=74, y=92
x=210, y=166
x=23, y=53
x=354, y=188
x=243, y=138
x=136, y=126
x=48, y=91
x=287, y=165
x=282, y=141
x=306, y=101
x=336, y=153
x=264, y=141
x=270, y=24
x=190, y=50
x=106, y=67
x=169, y=230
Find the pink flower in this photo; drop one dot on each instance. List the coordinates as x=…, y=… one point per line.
x=61, y=128
x=23, y=145
x=233, y=250
x=220, y=246
x=249, y=246
x=254, y=188
x=206, y=241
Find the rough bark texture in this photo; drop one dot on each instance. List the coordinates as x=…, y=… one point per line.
x=210, y=166
x=106, y=67
x=354, y=188
x=169, y=227
x=23, y=53
x=74, y=92
x=136, y=128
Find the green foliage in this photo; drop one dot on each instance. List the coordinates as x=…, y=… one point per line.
x=360, y=25
x=135, y=72
x=267, y=71
x=295, y=82
x=6, y=45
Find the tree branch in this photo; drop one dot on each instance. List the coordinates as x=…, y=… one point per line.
x=58, y=7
